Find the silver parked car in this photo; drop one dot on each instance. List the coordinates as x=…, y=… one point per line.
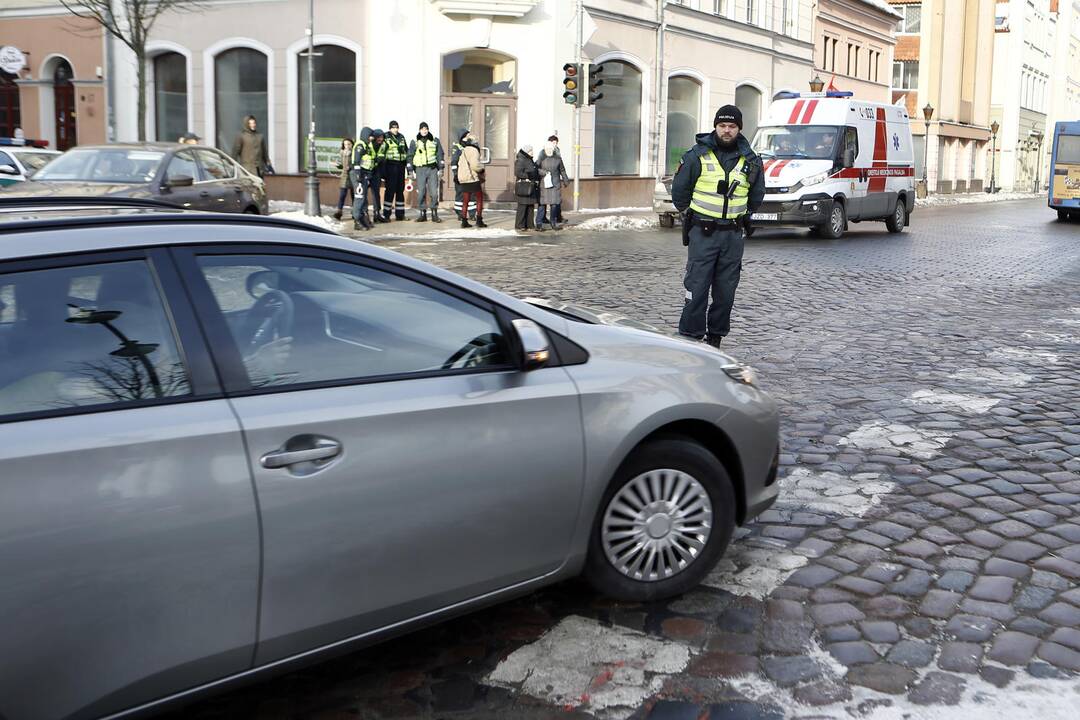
x=234, y=444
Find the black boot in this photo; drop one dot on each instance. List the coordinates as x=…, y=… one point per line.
x=386, y=216
x=423, y=216
x=337, y=215
x=357, y=226
x=465, y=221
x=399, y=215
x=365, y=222
x=480, y=221
x=435, y=215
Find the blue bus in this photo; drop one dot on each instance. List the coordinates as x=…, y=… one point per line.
x=1065, y=171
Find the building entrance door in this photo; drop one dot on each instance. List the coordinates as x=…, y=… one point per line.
x=64, y=105
x=493, y=120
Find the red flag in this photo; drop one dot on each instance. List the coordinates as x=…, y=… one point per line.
x=832, y=87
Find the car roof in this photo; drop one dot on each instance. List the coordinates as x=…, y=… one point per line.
x=16, y=149
x=163, y=146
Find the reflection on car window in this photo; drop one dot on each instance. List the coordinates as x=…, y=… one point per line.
x=215, y=165
x=88, y=335
x=183, y=164
x=6, y=160
x=118, y=165
x=34, y=161
x=301, y=320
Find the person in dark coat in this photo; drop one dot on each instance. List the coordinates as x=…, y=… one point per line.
x=250, y=151
x=556, y=211
x=553, y=172
x=396, y=152
x=344, y=181
x=528, y=176
x=377, y=147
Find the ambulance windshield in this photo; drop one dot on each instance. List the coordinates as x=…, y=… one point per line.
x=817, y=142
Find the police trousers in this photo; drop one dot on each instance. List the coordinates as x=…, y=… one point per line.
x=393, y=171
x=427, y=187
x=713, y=263
x=361, y=179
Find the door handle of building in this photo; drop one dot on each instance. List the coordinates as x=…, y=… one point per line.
x=318, y=449
x=485, y=155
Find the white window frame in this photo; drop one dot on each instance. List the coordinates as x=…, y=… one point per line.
x=210, y=89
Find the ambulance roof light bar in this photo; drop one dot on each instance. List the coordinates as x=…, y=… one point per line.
x=787, y=95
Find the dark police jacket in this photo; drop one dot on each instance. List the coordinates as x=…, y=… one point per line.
x=682, y=187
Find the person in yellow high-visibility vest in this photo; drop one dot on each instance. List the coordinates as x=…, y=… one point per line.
x=718, y=186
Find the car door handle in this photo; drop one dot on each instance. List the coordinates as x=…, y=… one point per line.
x=318, y=449
x=204, y=193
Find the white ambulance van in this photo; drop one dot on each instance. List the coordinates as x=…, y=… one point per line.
x=830, y=159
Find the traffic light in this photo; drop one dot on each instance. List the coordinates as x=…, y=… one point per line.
x=595, y=81
x=572, y=84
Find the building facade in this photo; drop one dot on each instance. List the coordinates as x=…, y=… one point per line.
x=1024, y=80
x=943, y=59
x=493, y=65
x=59, y=94
x=854, y=42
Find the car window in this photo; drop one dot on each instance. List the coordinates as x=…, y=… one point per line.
x=301, y=320
x=84, y=336
x=215, y=165
x=112, y=164
x=851, y=142
x=34, y=161
x=183, y=163
x=5, y=159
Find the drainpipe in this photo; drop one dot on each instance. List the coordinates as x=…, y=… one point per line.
x=110, y=85
x=661, y=31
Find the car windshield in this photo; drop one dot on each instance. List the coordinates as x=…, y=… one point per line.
x=797, y=141
x=117, y=165
x=34, y=161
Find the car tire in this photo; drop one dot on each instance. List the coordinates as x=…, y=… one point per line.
x=667, y=220
x=1063, y=215
x=898, y=220
x=834, y=226
x=671, y=462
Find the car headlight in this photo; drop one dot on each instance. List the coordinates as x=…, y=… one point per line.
x=814, y=179
x=741, y=373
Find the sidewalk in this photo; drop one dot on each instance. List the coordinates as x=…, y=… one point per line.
x=500, y=223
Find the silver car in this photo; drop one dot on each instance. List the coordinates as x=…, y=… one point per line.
x=235, y=444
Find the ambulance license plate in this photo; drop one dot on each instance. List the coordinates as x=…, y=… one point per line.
x=765, y=216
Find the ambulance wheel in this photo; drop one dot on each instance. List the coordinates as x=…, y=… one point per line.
x=834, y=228
x=898, y=220
x=1063, y=215
x=667, y=220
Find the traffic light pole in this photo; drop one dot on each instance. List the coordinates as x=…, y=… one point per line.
x=577, y=107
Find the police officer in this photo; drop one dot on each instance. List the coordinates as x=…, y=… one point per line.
x=718, y=185
x=455, y=155
x=426, y=160
x=377, y=149
x=361, y=165
x=393, y=172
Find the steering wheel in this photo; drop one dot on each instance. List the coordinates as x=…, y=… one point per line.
x=472, y=353
x=270, y=318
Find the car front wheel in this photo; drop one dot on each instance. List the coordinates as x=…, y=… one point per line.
x=663, y=523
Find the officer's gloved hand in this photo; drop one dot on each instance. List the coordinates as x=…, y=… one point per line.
x=747, y=223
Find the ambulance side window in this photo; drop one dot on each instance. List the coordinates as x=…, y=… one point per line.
x=851, y=146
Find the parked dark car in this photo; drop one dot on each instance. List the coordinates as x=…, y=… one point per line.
x=192, y=177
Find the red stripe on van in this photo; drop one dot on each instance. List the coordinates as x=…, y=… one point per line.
x=881, y=152
x=809, y=114
x=795, y=113
x=778, y=167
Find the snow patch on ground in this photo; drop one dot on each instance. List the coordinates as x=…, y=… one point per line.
x=921, y=444
x=831, y=492
x=617, y=222
x=754, y=568
x=992, y=376
x=1025, y=355
x=581, y=664
x=938, y=399
x=974, y=198
x=614, y=210
x=317, y=220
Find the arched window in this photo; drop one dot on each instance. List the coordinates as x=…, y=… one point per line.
x=239, y=90
x=170, y=96
x=683, y=121
x=10, y=109
x=618, y=121
x=748, y=99
x=335, y=95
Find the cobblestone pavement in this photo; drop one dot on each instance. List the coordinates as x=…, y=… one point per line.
x=924, y=556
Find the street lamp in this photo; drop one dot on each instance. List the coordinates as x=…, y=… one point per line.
x=927, y=113
x=312, y=206
x=817, y=84
x=994, y=127
x=1038, y=136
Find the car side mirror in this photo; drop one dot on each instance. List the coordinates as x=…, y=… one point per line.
x=535, y=349
x=8, y=170
x=180, y=181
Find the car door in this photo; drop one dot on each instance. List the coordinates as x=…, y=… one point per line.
x=220, y=190
x=192, y=197
x=14, y=175
x=403, y=464
x=856, y=164
x=129, y=538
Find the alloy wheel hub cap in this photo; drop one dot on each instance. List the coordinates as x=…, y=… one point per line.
x=656, y=525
